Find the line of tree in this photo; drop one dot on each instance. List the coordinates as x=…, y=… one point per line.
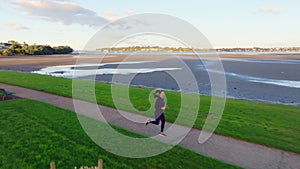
x=14, y=48
x=146, y=49
x=185, y=49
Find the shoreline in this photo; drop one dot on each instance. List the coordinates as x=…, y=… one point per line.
x=41, y=61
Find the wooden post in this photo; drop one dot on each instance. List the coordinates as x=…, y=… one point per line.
x=52, y=165
x=100, y=164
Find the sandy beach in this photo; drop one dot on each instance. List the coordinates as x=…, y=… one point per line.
x=37, y=62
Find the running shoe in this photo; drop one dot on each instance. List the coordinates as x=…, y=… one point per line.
x=148, y=121
x=162, y=134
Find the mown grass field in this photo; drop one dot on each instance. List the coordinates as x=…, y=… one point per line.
x=272, y=125
x=33, y=134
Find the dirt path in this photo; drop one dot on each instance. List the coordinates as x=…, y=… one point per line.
x=226, y=149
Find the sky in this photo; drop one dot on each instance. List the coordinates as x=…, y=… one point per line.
x=230, y=23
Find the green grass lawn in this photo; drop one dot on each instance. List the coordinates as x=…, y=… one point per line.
x=33, y=134
x=267, y=124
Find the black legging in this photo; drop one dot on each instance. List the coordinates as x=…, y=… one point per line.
x=163, y=121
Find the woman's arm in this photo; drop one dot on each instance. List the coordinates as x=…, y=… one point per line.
x=163, y=108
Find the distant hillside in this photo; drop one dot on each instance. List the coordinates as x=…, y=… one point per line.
x=180, y=49
x=15, y=48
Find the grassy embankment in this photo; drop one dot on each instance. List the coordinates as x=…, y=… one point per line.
x=33, y=134
x=267, y=124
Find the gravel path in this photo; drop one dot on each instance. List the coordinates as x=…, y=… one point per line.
x=226, y=149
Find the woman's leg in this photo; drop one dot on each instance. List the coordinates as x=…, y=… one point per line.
x=163, y=121
x=156, y=122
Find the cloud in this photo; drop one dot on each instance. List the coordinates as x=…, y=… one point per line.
x=109, y=13
x=270, y=10
x=112, y=19
x=127, y=24
x=13, y=26
x=114, y=16
x=128, y=12
x=61, y=11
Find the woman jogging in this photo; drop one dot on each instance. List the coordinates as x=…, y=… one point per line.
x=160, y=106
